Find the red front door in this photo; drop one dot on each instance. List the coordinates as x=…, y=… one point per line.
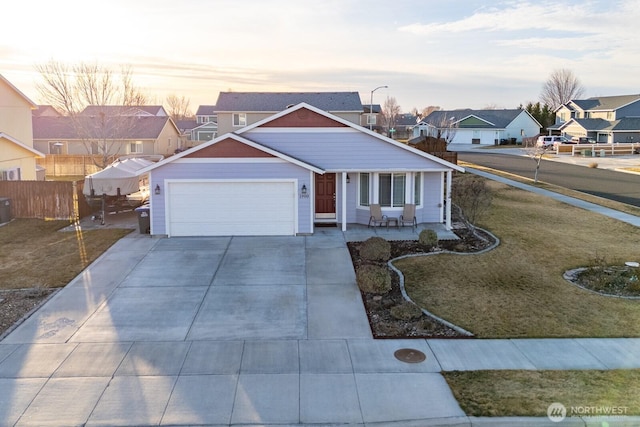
x=325, y=195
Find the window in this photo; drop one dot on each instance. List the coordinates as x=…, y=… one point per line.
x=135, y=147
x=364, y=189
x=417, y=188
x=239, y=119
x=371, y=119
x=391, y=189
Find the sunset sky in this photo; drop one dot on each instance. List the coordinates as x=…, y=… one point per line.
x=453, y=53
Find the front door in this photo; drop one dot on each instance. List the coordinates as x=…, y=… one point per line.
x=325, y=196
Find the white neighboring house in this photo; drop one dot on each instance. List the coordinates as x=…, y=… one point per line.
x=484, y=127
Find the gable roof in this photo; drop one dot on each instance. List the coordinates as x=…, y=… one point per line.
x=599, y=103
x=226, y=139
x=346, y=125
x=16, y=90
x=206, y=110
x=124, y=110
x=493, y=118
x=273, y=102
x=144, y=127
x=45, y=110
x=21, y=145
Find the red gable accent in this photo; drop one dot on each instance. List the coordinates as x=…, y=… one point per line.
x=228, y=148
x=303, y=118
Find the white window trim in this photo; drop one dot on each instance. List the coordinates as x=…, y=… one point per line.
x=374, y=190
x=139, y=147
x=242, y=117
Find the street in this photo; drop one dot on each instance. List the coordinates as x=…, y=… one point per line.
x=618, y=186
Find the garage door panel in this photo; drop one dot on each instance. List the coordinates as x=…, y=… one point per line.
x=231, y=208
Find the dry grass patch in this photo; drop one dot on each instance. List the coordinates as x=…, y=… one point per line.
x=33, y=253
x=517, y=289
x=529, y=393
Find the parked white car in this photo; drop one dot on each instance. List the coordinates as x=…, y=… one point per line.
x=551, y=141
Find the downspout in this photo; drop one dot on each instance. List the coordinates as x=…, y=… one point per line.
x=448, y=200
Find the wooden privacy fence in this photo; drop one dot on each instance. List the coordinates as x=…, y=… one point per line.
x=45, y=199
x=71, y=165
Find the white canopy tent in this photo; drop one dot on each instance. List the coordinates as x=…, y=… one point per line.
x=119, y=178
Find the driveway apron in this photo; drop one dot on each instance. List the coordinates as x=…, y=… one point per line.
x=214, y=331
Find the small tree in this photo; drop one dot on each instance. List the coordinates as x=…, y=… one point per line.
x=71, y=88
x=472, y=197
x=561, y=87
x=447, y=128
x=390, y=113
x=535, y=153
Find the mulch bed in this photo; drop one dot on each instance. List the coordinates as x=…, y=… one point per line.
x=15, y=304
x=378, y=307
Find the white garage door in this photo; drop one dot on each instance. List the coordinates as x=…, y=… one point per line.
x=231, y=208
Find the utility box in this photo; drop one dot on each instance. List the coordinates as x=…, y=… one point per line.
x=5, y=210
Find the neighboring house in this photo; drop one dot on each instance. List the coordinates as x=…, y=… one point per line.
x=372, y=121
x=121, y=110
x=289, y=171
x=141, y=134
x=485, y=127
x=236, y=110
x=404, y=126
x=45, y=111
x=606, y=119
x=206, y=114
x=17, y=155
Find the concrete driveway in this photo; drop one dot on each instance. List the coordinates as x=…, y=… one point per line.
x=215, y=331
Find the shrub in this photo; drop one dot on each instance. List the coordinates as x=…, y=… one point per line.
x=375, y=249
x=593, y=165
x=406, y=311
x=428, y=238
x=373, y=279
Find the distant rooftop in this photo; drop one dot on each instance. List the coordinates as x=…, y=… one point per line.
x=278, y=101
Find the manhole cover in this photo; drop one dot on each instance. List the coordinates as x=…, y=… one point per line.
x=409, y=355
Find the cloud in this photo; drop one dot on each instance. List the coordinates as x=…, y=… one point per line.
x=514, y=17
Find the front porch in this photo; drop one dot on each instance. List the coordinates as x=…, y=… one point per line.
x=359, y=232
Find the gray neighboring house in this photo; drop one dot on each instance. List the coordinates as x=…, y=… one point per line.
x=605, y=119
x=205, y=127
x=484, y=127
x=236, y=110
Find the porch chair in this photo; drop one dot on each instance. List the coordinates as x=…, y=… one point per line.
x=408, y=216
x=376, y=217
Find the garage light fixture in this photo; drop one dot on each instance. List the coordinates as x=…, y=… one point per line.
x=303, y=190
x=157, y=190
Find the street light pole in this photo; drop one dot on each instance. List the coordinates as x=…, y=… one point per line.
x=371, y=105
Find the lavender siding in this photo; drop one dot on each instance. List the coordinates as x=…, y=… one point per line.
x=344, y=150
x=230, y=171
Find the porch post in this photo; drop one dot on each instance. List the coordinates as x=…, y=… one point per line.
x=448, y=200
x=344, y=201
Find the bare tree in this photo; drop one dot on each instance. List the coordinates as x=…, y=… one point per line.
x=390, y=113
x=178, y=107
x=447, y=127
x=472, y=199
x=71, y=88
x=428, y=110
x=535, y=152
x=561, y=87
